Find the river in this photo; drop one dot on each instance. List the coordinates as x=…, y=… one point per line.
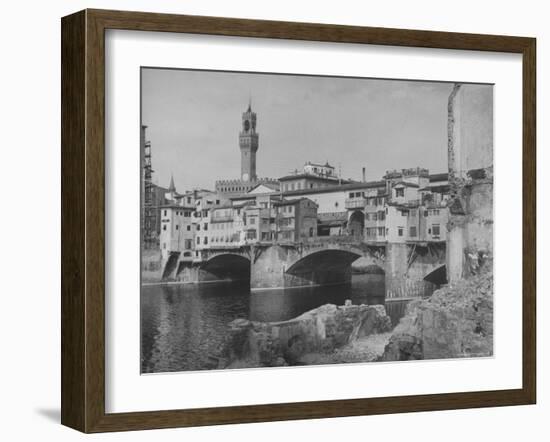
x=183, y=326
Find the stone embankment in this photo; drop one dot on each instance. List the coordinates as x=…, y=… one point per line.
x=328, y=334
x=455, y=322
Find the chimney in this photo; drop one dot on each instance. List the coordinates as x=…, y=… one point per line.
x=364, y=171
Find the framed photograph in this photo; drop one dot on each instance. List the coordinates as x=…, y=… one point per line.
x=269, y=220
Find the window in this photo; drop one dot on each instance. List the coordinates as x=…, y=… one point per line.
x=336, y=204
x=435, y=230
x=381, y=231
x=165, y=213
x=188, y=244
x=400, y=231
x=188, y=200
x=164, y=227
x=164, y=245
x=198, y=227
x=177, y=227
x=375, y=216
x=205, y=226
x=404, y=213
x=412, y=231
x=399, y=192
x=367, y=216
x=205, y=240
x=198, y=239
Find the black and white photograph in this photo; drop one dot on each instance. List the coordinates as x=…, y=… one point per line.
x=294, y=220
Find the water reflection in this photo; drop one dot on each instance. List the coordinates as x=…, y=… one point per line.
x=183, y=327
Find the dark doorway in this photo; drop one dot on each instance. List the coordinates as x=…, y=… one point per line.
x=356, y=224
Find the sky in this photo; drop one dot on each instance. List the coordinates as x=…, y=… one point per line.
x=194, y=119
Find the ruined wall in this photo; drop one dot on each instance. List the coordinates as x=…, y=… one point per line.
x=470, y=127
x=470, y=156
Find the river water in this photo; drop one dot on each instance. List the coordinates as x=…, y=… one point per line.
x=183, y=327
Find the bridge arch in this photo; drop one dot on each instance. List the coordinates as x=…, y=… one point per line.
x=328, y=266
x=226, y=266
x=438, y=276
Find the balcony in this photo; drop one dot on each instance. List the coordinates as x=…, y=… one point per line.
x=356, y=203
x=222, y=219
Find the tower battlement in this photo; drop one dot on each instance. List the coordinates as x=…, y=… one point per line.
x=235, y=187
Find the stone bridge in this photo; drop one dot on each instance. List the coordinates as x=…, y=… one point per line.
x=410, y=268
x=318, y=261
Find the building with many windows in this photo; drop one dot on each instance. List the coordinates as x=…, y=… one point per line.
x=177, y=230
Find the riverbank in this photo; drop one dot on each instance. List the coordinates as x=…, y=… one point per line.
x=325, y=335
x=365, y=349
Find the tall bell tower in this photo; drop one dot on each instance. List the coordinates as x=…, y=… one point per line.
x=248, y=142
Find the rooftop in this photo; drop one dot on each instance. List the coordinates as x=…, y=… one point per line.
x=328, y=189
x=311, y=176
x=406, y=184
x=309, y=163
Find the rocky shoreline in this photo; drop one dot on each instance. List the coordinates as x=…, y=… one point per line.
x=456, y=321
x=327, y=334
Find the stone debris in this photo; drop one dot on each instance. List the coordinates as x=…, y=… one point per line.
x=455, y=322
x=319, y=331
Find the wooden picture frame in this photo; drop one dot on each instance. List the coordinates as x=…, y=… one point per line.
x=83, y=220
